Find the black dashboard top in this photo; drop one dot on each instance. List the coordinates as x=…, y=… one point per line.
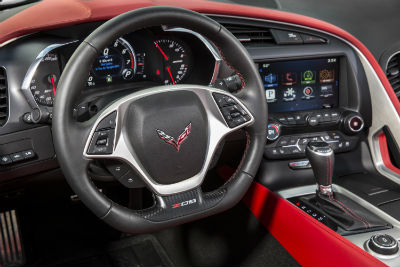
x=374, y=23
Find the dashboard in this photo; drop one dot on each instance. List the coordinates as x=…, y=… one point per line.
x=150, y=57
x=318, y=87
x=314, y=84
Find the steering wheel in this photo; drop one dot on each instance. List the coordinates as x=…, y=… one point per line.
x=142, y=128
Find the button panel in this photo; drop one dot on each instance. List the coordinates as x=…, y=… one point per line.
x=16, y=157
x=329, y=117
x=124, y=174
x=294, y=146
x=232, y=112
x=102, y=142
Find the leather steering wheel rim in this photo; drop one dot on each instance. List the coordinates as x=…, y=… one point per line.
x=71, y=137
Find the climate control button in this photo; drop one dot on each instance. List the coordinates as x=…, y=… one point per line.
x=273, y=131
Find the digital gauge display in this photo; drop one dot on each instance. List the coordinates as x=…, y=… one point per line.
x=117, y=62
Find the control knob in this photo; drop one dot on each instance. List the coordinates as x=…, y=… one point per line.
x=383, y=244
x=273, y=131
x=353, y=124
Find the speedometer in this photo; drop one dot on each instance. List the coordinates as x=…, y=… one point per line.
x=116, y=61
x=175, y=60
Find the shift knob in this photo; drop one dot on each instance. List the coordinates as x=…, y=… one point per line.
x=322, y=160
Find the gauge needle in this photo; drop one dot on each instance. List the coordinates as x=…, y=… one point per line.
x=162, y=52
x=52, y=83
x=170, y=75
x=131, y=60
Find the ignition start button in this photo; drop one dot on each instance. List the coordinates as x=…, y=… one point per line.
x=383, y=244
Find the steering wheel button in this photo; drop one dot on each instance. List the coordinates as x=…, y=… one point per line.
x=108, y=122
x=238, y=121
x=221, y=100
x=235, y=114
x=230, y=101
x=116, y=168
x=101, y=142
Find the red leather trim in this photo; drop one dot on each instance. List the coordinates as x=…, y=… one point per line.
x=385, y=154
x=308, y=241
x=49, y=14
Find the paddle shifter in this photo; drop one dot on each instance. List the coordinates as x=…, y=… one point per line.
x=322, y=160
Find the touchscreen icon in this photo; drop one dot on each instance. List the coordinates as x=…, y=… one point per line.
x=308, y=93
x=326, y=90
x=270, y=80
x=326, y=76
x=289, y=94
x=308, y=77
x=270, y=95
x=289, y=78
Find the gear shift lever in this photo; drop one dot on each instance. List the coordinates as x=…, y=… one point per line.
x=322, y=160
x=345, y=212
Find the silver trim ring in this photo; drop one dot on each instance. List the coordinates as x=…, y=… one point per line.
x=214, y=51
x=362, y=123
x=25, y=87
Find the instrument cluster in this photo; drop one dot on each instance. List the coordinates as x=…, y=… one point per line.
x=142, y=59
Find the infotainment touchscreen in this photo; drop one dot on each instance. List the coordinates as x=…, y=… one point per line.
x=301, y=84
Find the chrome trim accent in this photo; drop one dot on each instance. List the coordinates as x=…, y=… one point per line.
x=325, y=154
x=122, y=151
x=378, y=255
x=298, y=191
x=362, y=123
x=133, y=52
x=3, y=44
x=376, y=244
x=214, y=51
x=390, y=58
x=325, y=189
x=25, y=87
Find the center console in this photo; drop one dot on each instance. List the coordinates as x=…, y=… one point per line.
x=326, y=93
x=308, y=101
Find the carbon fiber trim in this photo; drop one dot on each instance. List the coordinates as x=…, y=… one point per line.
x=178, y=205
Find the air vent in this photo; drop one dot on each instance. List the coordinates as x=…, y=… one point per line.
x=3, y=97
x=393, y=73
x=250, y=34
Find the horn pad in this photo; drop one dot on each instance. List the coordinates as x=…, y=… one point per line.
x=169, y=134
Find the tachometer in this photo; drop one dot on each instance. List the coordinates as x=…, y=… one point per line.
x=44, y=82
x=115, y=62
x=175, y=60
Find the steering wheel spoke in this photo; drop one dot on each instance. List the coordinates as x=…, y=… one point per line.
x=110, y=137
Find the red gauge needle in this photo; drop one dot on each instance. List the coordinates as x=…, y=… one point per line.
x=170, y=75
x=54, y=86
x=131, y=60
x=162, y=52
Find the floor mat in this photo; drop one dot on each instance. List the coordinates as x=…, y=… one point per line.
x=140, y=251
